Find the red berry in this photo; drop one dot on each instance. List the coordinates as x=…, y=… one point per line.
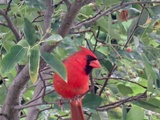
x=129, y=49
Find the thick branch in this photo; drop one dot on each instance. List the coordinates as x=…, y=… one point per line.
x=69, y=18
x=12, y=98
x=22, y=78
x=68, y=4
x=33, y=112
x=48, y=17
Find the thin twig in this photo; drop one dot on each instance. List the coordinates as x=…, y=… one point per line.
x=10, y=25
x=133, y=31
x=122, y=2
x=44, y=85
x=109, y=11
x=60, y=117
x=4, y=82
x=106, y=81
x=29, y=104
x=91, y=78
x=120, y=102
x=96, y=38
x=123, y=80
x=8, y=7
x=3, y=24
x=56, y=5
x=35, y=19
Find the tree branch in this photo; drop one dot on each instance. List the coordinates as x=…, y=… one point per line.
x=109, y=11
x=3, y=24
x=68, y=4
x=120, y=102
x=69, y=18
x=8, y=7
x=106, y=80
x=10, y=25
x=22, y=78
x=14, y=91
x=135, y=28
x=47, y=17
x=122, y=79
x=34, y=111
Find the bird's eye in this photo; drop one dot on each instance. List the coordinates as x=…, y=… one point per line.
x=88, y=68
x=90, y=58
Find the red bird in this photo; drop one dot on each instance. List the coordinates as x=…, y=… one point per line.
x=78, y=67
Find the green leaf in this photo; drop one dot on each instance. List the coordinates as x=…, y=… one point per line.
x=7, y=41
x=154, y=101
x=23, y=43
x=55, y=64
x=100, y=55
x=136, y=41
x=3, y=93
x=147, y=105
x=29, y=32
x=135, y=113
x=138, y=21
x=112, y=32
x=86, y=11
x=103, y=24
x=54, y=38
x=124, y=111
x=151, y=75
x=96, y=116
x=92, y=101
x=40, y=4
x=34, y=59
x=8, y=45
x=114, y=114
x=15, y=55
x=99, y=2
x=143, y=17
x=103, y=115
x=122, y=28
x=125, y=90
x=107, y=64
x=110, y=2
x=155, y=10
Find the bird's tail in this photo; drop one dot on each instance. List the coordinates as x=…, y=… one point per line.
x=76, y=110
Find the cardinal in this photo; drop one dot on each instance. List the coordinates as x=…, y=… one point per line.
x=78, y=67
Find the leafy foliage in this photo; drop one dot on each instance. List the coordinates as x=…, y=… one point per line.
x=34, y=59
x=29, y=32
x=127, y=85
x=15, y=55
x=57, y=65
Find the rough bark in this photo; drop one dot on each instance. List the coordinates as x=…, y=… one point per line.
x=8, y=112
x=12, y=99
x=69, y=18
x=33, y=112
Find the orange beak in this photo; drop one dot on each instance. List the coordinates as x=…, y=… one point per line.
x=95, y=64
